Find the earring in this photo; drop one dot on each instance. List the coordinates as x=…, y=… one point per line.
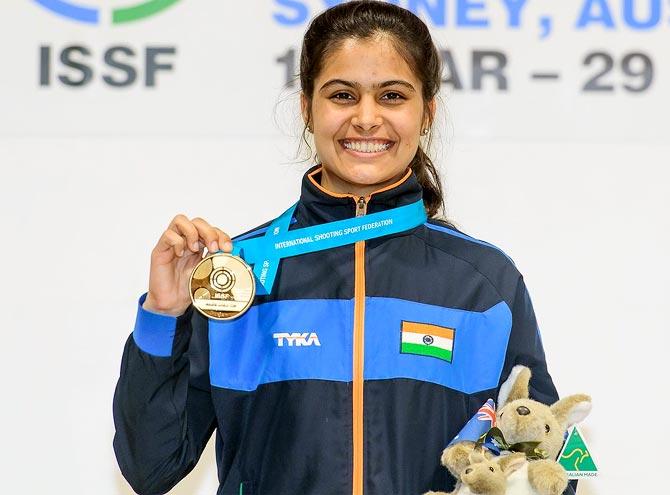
x=425, y=131
x=310, y=129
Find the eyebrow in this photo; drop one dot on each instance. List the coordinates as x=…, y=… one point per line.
x=355, y=85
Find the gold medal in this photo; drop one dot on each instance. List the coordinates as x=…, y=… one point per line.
x=222, y=286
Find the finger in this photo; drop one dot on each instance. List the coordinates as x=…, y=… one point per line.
x=183, y=226
x=207, y=233
x=170, y=240
x=225, y=241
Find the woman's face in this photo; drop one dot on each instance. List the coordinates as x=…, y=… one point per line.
x=367, y=116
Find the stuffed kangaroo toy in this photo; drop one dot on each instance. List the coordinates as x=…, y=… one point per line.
x=521, y=421
x=486, y=475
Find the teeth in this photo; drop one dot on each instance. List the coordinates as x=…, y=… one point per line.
x=366, y=146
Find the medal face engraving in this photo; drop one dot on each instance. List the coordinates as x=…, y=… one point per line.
x=222, y=286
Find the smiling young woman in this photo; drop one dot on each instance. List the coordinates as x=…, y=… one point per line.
x=366, y=116
x=368, y=355
x=376, y=78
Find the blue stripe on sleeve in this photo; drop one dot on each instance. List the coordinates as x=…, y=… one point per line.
x=154, y=333
x=455, y=233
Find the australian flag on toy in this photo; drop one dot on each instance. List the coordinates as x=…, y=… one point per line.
x=483, y=420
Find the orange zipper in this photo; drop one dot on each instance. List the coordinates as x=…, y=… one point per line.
x=359, y=327
x=359, y=341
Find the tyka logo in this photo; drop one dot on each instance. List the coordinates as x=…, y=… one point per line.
x=120, y=15
x=120, y=65
x=297, y=339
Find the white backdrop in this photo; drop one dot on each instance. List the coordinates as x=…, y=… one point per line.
x=571, y=183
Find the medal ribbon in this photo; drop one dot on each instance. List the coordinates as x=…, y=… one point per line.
x=278, y=242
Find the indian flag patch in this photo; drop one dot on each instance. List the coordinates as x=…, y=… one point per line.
x=427, y=340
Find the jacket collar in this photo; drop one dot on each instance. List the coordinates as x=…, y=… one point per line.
x=318, y=205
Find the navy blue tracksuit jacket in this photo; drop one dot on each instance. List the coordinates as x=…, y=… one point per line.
x=310, y=392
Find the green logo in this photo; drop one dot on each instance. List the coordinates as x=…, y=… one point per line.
x=576, y=458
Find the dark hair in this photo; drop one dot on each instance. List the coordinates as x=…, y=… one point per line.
x=367, y=19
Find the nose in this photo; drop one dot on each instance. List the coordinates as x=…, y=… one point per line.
x=523, y=410
x=366, y=117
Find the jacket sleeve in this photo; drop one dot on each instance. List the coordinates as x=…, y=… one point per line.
x=162, y=407
x=525, y=348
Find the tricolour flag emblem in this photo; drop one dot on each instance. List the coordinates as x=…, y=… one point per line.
x=427, y=340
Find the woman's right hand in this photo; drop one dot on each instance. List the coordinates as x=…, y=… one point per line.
x=177, y=252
